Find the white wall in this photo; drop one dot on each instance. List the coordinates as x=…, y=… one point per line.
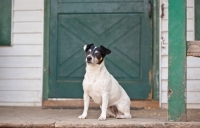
x=21, y=64
x=193, y=63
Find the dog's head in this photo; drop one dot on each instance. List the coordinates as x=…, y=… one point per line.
x=95, y=55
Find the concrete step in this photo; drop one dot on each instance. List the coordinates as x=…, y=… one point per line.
x=36, y=117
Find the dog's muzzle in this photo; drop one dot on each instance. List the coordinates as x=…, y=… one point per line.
x=89, y=58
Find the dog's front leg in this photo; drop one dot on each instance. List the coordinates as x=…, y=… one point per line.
x=86, y=106
x=105, y=97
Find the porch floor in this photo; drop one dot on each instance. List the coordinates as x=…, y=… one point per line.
x=46, y=117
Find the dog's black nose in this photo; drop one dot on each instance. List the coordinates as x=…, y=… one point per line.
x=89, y=58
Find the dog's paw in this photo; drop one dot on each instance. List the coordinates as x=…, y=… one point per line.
x=82, y=116
x=101, y=118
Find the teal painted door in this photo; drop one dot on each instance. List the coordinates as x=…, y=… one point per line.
x=122, y=26
x=5, y=22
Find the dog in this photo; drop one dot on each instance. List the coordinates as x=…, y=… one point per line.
x=102, y=87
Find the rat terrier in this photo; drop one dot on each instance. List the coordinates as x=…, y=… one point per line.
x=102, y=87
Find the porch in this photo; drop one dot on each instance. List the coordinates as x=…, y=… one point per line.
x=38, y=117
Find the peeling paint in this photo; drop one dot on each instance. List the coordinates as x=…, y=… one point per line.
x=177, y=61
x=150, y=83
x=183, y=117
x=150, y=95
x=193, y=48
x=169, y=93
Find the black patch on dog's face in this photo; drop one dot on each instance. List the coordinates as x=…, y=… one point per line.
x=95, y=55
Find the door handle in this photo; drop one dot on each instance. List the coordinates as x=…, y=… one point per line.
x=150, y=9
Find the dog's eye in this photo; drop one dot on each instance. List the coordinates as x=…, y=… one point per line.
x=98, y=55
x=88, y=52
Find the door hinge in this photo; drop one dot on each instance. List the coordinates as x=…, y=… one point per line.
x=150, y=9
x=162, y=11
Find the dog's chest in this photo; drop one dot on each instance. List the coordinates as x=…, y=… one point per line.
x=96, y=82
x=94, y=91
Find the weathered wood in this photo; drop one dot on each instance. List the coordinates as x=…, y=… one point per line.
x=192, y=97
x=28, y=38
x=20, y=73
x=20, y=104
x=190, y=35
x=177, y=61
x=72, y=103
x=190, y=11
x=46, y=69
x=21, y=50
x=28, y=27
x=164, y=75
x=156, y=46
x=189, y=106
x=165, y=37
x=66, y=30
x=192, y=62
x=193, y=106
x=28, y=5
x=192, y=73
x=164, y=25
x=190, y=25
x=190, y=21
x=20, y=62
x=197, y=19
x=5, y=22
x=190, y=3
x=28, y=16
x=164, y=61
x=192, y=86
x=20, y=85
x=145, y=104
x=164, y=51
x=193, y=48
x=20, y=96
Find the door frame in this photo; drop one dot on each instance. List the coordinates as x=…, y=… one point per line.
x=155, y=50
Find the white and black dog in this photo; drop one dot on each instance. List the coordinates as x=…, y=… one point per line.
x=102, y=87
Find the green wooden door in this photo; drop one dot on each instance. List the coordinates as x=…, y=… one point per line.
x=197, y=19
x=5, y=22
x=122, y=26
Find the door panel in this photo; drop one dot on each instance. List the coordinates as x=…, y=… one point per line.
x=125, y=31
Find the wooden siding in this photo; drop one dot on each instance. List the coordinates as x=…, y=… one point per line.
x=21, y=63
x=193, y=63
x=26, y=56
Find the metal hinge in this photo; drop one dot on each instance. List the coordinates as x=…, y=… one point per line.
x=150, y=9
x=162, y=11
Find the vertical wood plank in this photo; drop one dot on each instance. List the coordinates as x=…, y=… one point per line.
x=46, y=50
x=197, y=19
x=156, y=38
x=177, y=61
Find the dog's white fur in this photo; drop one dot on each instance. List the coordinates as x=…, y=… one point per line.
x=103, y=88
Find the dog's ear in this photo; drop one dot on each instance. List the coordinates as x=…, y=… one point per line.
x=88, y=46
x=105, y=51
